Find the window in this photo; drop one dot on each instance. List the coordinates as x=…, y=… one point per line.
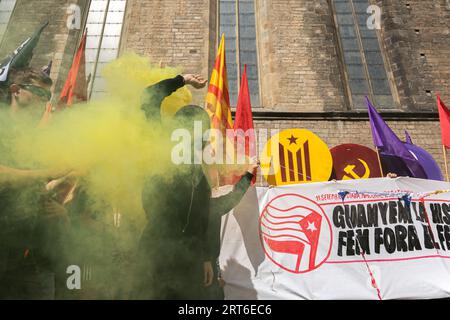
x=104, y=25
x=363, y=59
x=6, y=9
x=237, y=22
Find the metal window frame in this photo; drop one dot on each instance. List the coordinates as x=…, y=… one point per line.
x=2, y=39
x=101, y=35
x=340, y=53
x=238, y=46
x=97, y=56
x=386, y=65
x=361, y=51
x=258, y=56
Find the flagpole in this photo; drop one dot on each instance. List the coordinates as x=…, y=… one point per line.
x=445, y=161
x=379, y=162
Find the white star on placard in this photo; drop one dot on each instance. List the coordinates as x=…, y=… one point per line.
x=311, y=227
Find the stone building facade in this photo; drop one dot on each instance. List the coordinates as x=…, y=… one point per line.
x=304, y=65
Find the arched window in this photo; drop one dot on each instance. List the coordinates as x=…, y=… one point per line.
x=237, y=21
x=104, y=25
x=364, y=64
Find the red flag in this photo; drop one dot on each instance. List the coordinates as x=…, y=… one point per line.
x=75, y=88
x=244, y=118
x=291, y=247
x=243, y=122
x=444, y=116
x=295, y=232
x=311, y=226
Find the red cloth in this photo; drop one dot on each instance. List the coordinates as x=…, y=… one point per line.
x=244, y=121
x=444, y=116
x=75, y=88
x=244, y=118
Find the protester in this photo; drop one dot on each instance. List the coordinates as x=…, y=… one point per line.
x=31, y=222
x=218, y=207
x=173, y=247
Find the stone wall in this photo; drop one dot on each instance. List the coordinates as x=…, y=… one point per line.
x=299, y=59
x=416, y=35
x=57, y=42
x=174, y=32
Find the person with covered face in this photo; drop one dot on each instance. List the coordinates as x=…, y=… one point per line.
x=29, y=216
x=173, y=256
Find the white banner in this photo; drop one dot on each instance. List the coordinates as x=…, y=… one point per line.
x=357, y=239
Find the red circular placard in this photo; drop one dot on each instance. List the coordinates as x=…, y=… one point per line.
x=353, y=161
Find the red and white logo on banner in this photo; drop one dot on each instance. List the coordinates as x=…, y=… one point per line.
x=295, y=233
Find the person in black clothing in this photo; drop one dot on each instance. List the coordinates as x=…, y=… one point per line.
x=31, y=222
x=174, y=245
x=219, y=207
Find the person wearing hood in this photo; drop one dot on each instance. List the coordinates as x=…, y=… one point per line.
x=29, y=217
x=173, y=259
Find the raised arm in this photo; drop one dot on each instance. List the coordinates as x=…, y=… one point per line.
x=220, y=206
x=155, y=94
x=14, y=176
x=224, y=204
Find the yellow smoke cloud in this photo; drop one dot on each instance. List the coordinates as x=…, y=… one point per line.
x=129, y=75
x=108, y=139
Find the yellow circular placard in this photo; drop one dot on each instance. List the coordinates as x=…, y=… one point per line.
x=296, y=156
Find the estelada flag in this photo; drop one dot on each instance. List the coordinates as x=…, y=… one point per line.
x=444, y=116
x=75, y=88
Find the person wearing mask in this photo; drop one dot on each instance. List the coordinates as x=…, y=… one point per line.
x=173, y=250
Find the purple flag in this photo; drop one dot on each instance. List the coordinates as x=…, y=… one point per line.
x=391, y=146
x=429, y=165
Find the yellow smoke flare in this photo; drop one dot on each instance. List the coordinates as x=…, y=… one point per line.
x=109, y=139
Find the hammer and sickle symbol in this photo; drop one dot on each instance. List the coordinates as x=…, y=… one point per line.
x=351, y=174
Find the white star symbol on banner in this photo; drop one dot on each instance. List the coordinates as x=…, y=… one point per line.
x=311, y=227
